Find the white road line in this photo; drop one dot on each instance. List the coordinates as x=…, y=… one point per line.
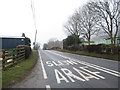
x=112, y=72
x=99, y=69
x=43, y=69
x=48, y=87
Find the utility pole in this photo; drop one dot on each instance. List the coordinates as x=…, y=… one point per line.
x=35, y=36
x=33, y=12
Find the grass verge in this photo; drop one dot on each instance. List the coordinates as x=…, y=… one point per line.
x=19, y=71
x=105, y=56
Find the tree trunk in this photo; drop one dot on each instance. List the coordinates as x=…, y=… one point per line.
x=76, y=40
x=89, y=41
x=114, y=41
x=112, y=45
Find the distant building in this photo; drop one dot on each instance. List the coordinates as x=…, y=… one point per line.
x=11, y=42
x=105, y=41
x=86, y=42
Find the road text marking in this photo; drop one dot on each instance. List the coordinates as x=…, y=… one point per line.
x=60, y=63
x=57, y=74
x=69, y=76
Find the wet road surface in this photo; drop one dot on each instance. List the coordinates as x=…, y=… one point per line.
x=64, y=70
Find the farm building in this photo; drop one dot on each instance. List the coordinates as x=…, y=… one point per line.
x=11, y=42
x=107, y=42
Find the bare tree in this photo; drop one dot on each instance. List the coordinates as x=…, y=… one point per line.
x=72, y=27
x=88, y=22
x=109, y=13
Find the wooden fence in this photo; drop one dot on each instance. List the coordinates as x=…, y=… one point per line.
x=11, y=57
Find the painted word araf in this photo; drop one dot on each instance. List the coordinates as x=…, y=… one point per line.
x=86, y=75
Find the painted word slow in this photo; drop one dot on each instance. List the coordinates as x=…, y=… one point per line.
x=60, y=63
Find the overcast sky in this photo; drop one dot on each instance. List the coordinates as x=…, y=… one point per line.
x=16, y=18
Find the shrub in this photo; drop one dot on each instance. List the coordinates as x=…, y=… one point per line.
x=90, y=48
x=100, y=48
x=96, y=48
x=73, y=48
x=116, y=50
x=27, y=50
x=108, y=49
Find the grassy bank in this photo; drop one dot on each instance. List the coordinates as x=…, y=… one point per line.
x=105, y=56
x=19, y=71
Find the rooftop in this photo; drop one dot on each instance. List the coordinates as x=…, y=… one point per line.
x=11, y=37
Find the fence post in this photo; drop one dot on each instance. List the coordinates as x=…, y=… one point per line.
x=24, y=52
x=3, y=62
x=13, y=55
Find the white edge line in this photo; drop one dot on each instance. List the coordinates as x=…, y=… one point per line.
x=43, y=69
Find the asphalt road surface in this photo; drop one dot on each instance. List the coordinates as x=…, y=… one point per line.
x=64, y=70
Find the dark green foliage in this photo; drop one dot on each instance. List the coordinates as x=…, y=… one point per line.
x=23, y=34
x=93, y=48
x=27, y=50
x=102, y=48
x=116, y=50
x=27, y=41
x=73, y=48
x=71, y=42
x=108, y=49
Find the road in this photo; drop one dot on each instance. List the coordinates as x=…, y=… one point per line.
x=64, y=70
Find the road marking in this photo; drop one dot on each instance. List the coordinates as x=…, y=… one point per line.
x=109, y=71
x=48, y=87
x=82, y=74
x=101, y=67
x=70, y=75
x=60, y=63
x=57, y=74
x=98, y=68
x=94, y=73
x=43, y=69
x=49, y=63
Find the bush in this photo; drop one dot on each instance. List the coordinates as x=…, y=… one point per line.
x=108, y=49
x=100, y=48
x=96, y=48
x=91, y=48
x=27, y=50
x=73, y=48
x=116, y=50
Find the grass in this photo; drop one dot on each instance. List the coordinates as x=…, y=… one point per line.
x=105, y=56
x=19, y=71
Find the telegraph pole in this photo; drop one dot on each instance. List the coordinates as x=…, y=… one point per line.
x=33, y=12
x=35, y=36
